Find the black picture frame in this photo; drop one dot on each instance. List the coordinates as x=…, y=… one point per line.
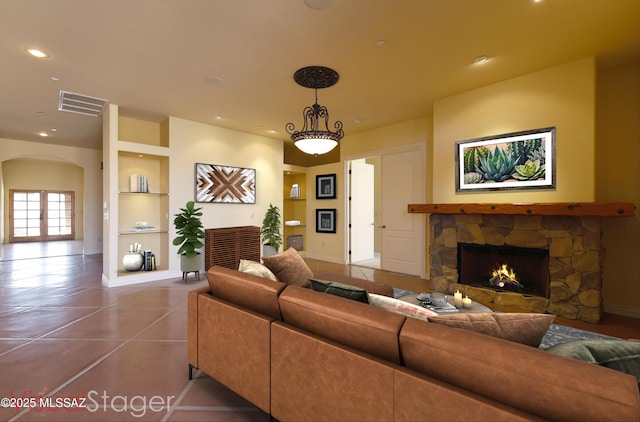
x=325, y=220
x=326, y=186
x=530, y=157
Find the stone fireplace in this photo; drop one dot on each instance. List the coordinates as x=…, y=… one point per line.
x=570, y=232
x=575, y=257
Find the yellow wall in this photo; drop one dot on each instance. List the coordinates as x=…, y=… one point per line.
x=141, y=131
x=326, y=246
x=562, y=96
x=364, y=144
x=618, y=179
x=36, y=174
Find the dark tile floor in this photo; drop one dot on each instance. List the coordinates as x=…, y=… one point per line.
x=123, y=349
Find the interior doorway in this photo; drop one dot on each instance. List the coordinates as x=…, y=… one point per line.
x=43, y=203
x=398, y=238
x=364, y=250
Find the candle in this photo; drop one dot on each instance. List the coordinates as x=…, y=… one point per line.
x=466, y=302
x=457, y=299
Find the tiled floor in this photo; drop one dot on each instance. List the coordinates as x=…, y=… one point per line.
x=62, y=335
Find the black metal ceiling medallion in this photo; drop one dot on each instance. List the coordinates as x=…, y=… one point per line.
x=316, y=77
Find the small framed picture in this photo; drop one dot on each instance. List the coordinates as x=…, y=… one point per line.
x=326, y=186
x=326, y=220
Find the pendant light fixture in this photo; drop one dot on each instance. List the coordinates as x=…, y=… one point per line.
x=314, y=139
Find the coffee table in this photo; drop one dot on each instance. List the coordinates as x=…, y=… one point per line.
x=475, y=306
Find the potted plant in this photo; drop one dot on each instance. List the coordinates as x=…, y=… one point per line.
x=271, y=237
x=189, y=232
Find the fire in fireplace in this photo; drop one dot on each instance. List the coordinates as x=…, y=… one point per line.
x=504, y=277
x=504, y=268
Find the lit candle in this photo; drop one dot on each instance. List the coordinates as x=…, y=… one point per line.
x=457, y=299
x=466, y=302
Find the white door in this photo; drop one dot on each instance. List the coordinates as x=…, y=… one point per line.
x=362, y=211
x=403, y=234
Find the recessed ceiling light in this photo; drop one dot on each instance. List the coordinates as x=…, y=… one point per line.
x=214, y=79
x=380, y=43
x=480, y=59
x=53, y=129
x=43, y=134
x=55, y=78
x=37, y=53
x=273, y=131
x=318, y=4
x=218, y=117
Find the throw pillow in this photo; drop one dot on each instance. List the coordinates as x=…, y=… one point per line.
x=525, y=328
x=289, y=267
x=400, y=307
x=340, y=289
x=623, y=356
x=256, y=268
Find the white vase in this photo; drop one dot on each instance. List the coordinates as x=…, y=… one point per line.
x=132, y=261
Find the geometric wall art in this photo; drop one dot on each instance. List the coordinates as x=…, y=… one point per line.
x=225, y=184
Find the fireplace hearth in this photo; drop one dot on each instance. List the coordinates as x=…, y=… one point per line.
x=504, y=268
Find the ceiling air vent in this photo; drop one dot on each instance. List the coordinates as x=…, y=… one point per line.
x=81, y=104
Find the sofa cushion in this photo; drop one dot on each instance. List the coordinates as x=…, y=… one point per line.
x=530, y=379
x=401, y=307
x=620, y=355
x=525, y=328
x=370, y=286
x=246, y=290
x=346, y=322
x=257, y=269
x=340, y=289
x=289, y=267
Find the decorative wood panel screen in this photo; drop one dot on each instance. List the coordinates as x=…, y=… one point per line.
x=227, y=246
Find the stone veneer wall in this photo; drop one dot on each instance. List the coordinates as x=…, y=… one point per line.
x=575, y=259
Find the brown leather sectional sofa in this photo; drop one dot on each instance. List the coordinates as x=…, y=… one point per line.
x=301, y=355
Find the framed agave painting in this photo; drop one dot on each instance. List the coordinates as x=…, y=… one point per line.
x=518, y=160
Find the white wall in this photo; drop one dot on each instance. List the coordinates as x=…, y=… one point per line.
x=192, y=142
x=88, y=159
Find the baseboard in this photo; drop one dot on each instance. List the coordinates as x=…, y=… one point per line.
x=622, y=310
x=323, y=258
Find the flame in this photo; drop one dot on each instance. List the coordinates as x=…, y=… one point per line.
x=505, y=273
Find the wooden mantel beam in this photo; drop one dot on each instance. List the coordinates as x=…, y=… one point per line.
x=581, y=209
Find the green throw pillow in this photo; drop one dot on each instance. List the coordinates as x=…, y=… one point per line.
x=340, y=289
x=623, y=356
